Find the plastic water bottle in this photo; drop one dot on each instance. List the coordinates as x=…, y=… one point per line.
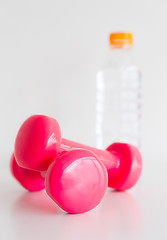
x=118, y=98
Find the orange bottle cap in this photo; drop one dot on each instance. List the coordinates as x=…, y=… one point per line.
x=120, y=39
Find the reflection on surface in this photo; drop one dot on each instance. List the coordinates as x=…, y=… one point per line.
x=36, y=203
x=120, y=216
x=36, y=216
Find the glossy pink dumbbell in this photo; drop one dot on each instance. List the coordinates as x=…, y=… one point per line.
x=76, y=181
x=122, y=161
x=39, y=142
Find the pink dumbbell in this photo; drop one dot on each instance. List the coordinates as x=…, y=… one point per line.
x=122, y=161
x=76, y=181
x=39, y=142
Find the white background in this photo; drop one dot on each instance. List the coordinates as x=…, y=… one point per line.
x=50, y=52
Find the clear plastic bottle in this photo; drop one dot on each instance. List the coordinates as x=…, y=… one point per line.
x=118, y=98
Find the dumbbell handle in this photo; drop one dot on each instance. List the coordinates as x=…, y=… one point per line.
x=110, y=160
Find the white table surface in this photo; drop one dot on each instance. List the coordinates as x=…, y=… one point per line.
x=140, y=213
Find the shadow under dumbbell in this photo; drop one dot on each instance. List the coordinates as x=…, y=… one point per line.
x=36, y=202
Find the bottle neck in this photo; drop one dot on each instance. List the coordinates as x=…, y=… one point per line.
x=119, y=57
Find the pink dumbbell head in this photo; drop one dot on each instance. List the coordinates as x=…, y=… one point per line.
x=76, y=181
x=128, y=166
x=30, y=180
x=37, y=142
